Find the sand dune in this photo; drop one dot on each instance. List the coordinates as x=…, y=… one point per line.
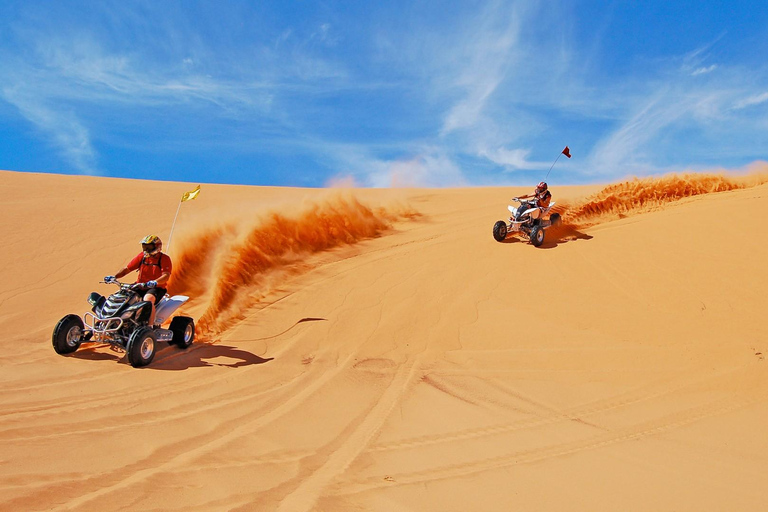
x=378, y=350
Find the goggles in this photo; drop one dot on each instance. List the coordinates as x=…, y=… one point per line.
x=149, y=247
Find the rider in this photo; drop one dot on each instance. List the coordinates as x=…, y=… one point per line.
x=542, y=195
x=154, y=268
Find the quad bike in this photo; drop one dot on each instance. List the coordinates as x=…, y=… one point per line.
x=122, y=320
x=528, y=219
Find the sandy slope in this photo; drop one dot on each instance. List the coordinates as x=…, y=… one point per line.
x=420, y=365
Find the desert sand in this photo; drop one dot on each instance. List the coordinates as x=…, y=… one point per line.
x=378, y=350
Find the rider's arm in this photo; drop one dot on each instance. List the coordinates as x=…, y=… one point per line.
x=132, y=265
x=123, y=271
x=163, y=279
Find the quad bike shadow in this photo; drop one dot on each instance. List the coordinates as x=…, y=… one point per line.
x=562, y=234
x=200, y=355
x=208, y=355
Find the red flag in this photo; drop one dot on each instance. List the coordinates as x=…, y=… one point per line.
x=567, y=152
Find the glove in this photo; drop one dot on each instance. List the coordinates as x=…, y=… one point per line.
x=151, y=284
x=515, y=199
x=110, y=279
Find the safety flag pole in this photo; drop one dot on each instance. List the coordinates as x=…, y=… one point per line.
x=187, y=196
x=566, y=152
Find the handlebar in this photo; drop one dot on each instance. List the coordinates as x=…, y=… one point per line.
x=121, y=284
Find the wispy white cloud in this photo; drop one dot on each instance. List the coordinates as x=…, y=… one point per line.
x=624, y=149
x=704, y=70
x=63, y=126
x=684, y=121
x=693, y=62
x=430, y=169
x=466, y=112
x=58, y=83
x=481, y=63
x=751, y=101
x=670, y=118
x=424, y=165
x=83, y=70
x=511, y=159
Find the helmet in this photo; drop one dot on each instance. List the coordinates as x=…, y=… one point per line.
x=541, y=187
x=151, y=245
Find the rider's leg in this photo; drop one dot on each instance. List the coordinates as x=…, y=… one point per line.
x=151, y=298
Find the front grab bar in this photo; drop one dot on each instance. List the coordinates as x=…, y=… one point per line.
x=102, y=325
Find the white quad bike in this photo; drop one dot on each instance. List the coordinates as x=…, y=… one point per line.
x=122, y=320
x=528, y=219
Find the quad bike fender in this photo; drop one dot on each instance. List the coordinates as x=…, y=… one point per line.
x=534, y=213
x=167, y=306
x=144, y=309
x=548, y=209
x=542, y=211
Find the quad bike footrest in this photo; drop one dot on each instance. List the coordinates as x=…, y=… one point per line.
x=164, y=335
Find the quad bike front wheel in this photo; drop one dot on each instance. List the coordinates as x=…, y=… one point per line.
x=68, y=334
x=500, y=231
x=183, y=329
x=141, y=347
x=537, y=236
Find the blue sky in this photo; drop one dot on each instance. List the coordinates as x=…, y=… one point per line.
x=425, y=93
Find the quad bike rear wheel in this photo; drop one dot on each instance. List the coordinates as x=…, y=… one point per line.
x=183, y=329
x=537, y=236
x=68, y=334
x=141, y=347
x=500, y=231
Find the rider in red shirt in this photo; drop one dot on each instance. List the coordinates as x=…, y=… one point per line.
x=154, y=268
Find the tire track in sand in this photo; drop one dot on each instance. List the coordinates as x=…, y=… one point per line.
x=635, y=432
x=305, y=496
x=64, y=486
x=550, y=415
x=188, y=457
